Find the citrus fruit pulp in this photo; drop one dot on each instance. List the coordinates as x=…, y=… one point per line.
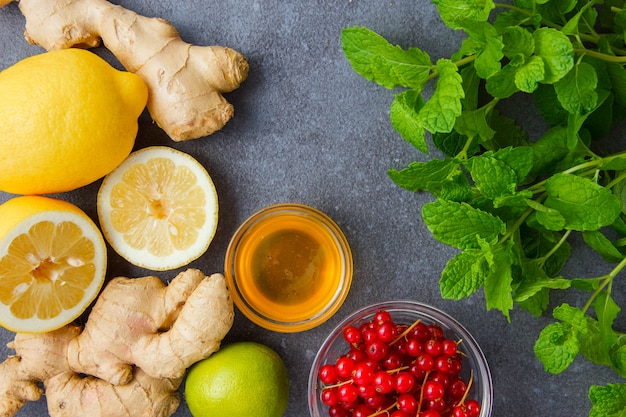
x=242, y=379
x=68, y=119
x=158, y=209
x=52, y=263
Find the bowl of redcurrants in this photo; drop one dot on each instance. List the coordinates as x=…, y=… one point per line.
x=400, y=359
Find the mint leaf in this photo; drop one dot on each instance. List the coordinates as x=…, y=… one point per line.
x=474, y=124
x=493, y=177
x=601, y=244
x=502, y=84
x=486, y=44
x=606, y=311
x=374, y=58
x=584, y=204
x=508, y=133
x=608, y=401
x=530, y=74
x=463, y=275
x=456, y=188
x=452, y=143
x=425, y=175
x=520, y=158
x=518, y=43
x=498, y=289
x=556, y=51
x=557, y=347
x=528, y=288
x=455, y=12
x=548, y=105
x=441, y=110
x=461, y=225
x=576, y=91
x=404, y=118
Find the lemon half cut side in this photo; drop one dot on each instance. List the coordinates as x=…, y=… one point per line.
x=158, y=209
x=52, y=263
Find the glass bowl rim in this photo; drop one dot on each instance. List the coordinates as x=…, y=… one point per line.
x=434, y=314
x=342, y=246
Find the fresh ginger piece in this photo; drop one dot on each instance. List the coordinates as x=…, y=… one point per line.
x=185, y=81
x=69, y=395
x=139, y=332
x=42, y=357
x=161, y=329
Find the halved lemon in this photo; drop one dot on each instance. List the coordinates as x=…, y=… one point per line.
x=52, y=263
x=158, y=209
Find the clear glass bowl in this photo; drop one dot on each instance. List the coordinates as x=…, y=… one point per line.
x=289, y=267
x=406, y=312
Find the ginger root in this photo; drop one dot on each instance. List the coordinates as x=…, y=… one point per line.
x=138, y=341
x=185, y=81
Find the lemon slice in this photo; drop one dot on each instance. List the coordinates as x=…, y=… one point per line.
x=158, y=209
x=52, y=263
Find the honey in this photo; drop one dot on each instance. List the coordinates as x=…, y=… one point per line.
x=290, y=267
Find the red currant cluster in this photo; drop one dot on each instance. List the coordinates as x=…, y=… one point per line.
x=396, y=370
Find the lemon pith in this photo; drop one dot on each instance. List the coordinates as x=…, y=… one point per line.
x=52, y=263
x=158, y=209
x=68, y=119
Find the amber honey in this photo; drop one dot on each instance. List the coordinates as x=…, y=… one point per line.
x=289, y=267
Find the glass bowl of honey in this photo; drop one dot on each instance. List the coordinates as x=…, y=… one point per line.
x=289, y=267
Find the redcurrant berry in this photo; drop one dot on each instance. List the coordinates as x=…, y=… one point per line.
x=403, y=382
x=420, y=332
x=329, y=396
x=457, y=388
x=473, y=408
x=383, y=382
x=352, y=335
x=393, y=360
x=366, y=391
x=432, y=347
x=363, y=373
x=438, y=404
x=414, y=347
x=347, y=393
x=328, y=374
x=449, y=347
x=376, y=350
x=338, y=411
x=362, y=410
x=344, y=367
x=459, y=411
x=369, y=336
x=433, y=390
x=407, y=404
x=426, y=362
x=435, y=331
x=356, y=355
x=381, y=317
x=387, y=331
x=375, y=401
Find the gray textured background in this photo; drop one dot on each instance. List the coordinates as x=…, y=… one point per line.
x=307, y=129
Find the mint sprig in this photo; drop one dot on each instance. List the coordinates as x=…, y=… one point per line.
x=509, y=204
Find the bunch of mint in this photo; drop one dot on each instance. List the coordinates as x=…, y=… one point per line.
x=510, y=204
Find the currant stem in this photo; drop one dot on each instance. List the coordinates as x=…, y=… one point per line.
x=469, y=385
x=405, y=332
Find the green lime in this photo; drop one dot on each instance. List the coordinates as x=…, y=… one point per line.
x=242, y=379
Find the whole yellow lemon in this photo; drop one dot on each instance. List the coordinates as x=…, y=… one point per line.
x=242, y=379
x=68, y=119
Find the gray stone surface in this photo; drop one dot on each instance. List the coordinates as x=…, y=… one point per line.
x=308, y=129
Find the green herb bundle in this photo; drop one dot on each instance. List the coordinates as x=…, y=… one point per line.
x=510, y=204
